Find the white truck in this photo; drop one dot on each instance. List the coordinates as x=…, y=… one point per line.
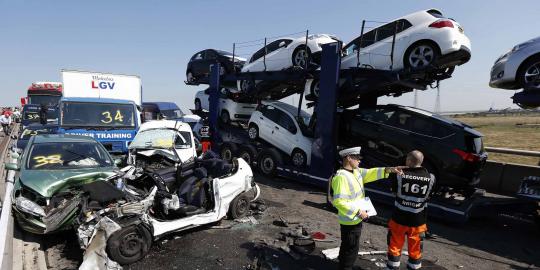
x=101, y=105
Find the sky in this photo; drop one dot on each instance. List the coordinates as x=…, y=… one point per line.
x=155, y=39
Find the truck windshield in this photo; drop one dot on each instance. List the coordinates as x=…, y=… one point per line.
x=86, y=114
x=43, y=99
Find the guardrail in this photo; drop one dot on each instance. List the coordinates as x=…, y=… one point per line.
x=6, y=235
x=513, y=151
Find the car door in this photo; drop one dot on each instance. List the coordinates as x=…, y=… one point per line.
x=381, y=50
x=351, y=55
x=285, y=133
x=197, y=63
x=278, y=55
x=363, y=129
x=267, y=120
x=396, y=136
x=205, y=99
x=210, y=58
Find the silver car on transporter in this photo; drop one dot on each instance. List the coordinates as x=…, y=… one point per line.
x=518, y=68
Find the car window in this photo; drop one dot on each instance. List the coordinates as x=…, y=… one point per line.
x=435, y=13
x=400, y=120
x=182, y=140
x=388, y=29
x=271, y=113
x=210, y=55
x=286, y=122
x=423, y=126
x=367, y=40
x=198, y=56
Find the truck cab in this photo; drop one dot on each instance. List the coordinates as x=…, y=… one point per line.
x=112, y=122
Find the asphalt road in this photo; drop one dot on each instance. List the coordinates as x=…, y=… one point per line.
x=497, y=243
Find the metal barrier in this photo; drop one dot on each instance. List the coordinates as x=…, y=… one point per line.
x=5, y=217
x=513, y=151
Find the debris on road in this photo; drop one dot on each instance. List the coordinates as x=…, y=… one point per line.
x=95, y=256
x=333, y=253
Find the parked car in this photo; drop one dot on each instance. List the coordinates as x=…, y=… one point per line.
x=232, y=107
x=453, y=151
x=518, y=68
x=285, y=53
x=421, y=38
x=53, y=169
x=280, y=125
x=32, y=130
x=198, y=68
x=161, y=110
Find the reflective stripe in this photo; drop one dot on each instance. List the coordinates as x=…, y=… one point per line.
x=363, y=172
x=354, y=193
x=414, y=266
x=347, y=219
x=380, y=173
x=409, y=209
x=344, y=196
x=392, y=264
x=412, y=199
x=350, y=212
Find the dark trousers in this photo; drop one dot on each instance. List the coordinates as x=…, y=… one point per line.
x=350, y=245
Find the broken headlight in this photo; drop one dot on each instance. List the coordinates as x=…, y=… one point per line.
x=29, y=206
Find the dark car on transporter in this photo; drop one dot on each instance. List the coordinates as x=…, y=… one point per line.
x=454, y=151
x=198, y=68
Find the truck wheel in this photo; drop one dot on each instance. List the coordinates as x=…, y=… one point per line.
x=228, y=150
x=129, y=244
x=248, y=153
x=268, y=161
x=239, y=207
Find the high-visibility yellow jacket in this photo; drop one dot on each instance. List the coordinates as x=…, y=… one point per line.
x=348, y=190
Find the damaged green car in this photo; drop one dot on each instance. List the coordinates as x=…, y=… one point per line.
x=52, y=173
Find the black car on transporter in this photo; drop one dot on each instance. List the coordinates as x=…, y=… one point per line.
x=453, y=151
x=198, y=68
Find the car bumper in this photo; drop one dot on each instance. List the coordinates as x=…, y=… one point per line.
x=28, y=222
x=455, y=58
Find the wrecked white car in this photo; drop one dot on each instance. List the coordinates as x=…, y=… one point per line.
x=163, y=191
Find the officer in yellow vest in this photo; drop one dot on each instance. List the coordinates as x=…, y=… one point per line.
x=348, y=190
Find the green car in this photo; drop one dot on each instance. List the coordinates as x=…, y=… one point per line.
x=53, y=170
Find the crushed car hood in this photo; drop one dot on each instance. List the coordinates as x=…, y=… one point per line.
x=48, y=182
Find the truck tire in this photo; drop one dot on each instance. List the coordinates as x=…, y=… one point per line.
x=228, y=151
x=129, y=244
x=239, y=207
x=248, y=153
x=269, y=160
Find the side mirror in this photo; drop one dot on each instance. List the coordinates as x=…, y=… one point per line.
x=117, y=161
x=12, y=166
x=282, y=44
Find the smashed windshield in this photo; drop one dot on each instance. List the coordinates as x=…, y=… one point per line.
x=67, y=155
x=98, y=114
x=161, y=138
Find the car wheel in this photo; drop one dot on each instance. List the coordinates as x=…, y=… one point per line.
x=299, y=158
x=189, y=77
x=239, y=207
x=253, y=132
x=528, y=75
x=198, y=106
x=245, y=85
x=421, y=55
x=301, y=56
x=248, y=153
x=228, y=150
x=268, y=162
x=129, y=244
x=225, y=117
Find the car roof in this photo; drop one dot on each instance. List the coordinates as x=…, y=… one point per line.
x=284, y=106
x=168, y=124
x=162, y=105
x=420, y=16
x=47, y=138
x=99, y=100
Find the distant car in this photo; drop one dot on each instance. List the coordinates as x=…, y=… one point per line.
x=161, y=110
x=198, y=68
x=518, y=68
x=47, y=191
x=231, y=107
x=421, y=38
x=285, y=53
x=278, y=124
x=453, y=151
x=32, y=130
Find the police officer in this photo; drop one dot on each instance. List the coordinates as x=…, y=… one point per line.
x=348, y=190
x=408, y=220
